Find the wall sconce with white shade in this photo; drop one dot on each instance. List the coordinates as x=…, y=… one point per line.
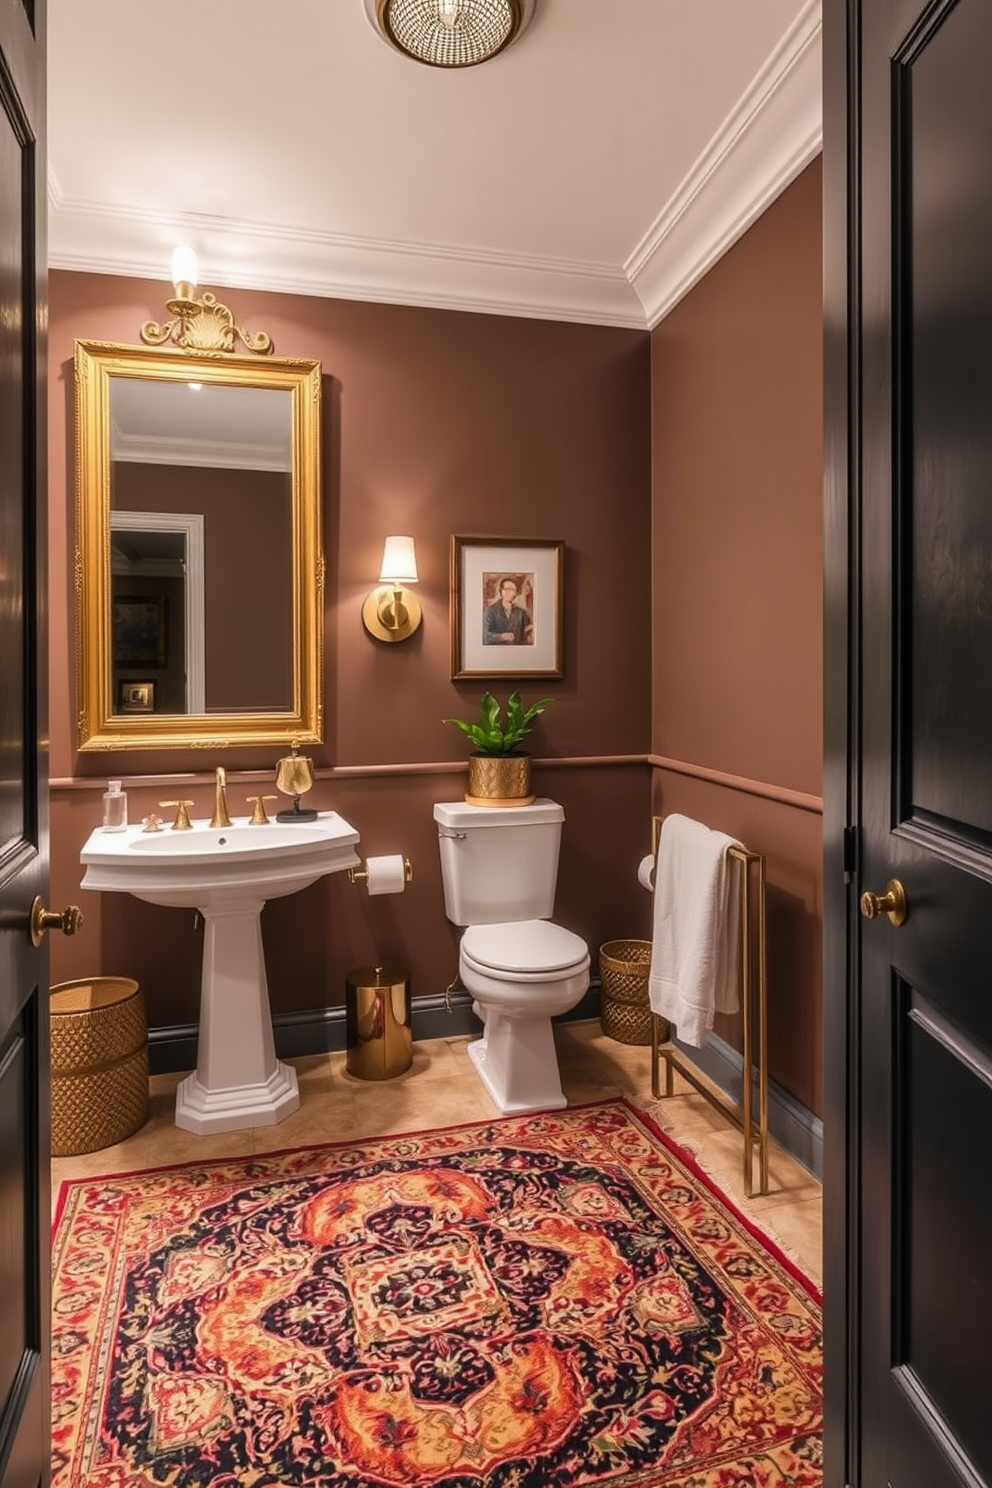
x=198, y=324
x=391, y=612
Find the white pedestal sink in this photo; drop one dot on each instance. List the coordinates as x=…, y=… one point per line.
x=227, y=873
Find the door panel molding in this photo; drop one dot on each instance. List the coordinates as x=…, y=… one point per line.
x=960, y=846
x=908, y=735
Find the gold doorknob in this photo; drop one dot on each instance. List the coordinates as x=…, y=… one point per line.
x=42, y=920
x=892, y=902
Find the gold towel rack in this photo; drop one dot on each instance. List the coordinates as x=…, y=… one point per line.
x=753, y=975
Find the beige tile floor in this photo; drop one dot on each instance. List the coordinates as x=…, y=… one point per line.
x=441, y=1088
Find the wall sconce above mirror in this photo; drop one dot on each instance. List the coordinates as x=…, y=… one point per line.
x=199, y=324
x=392, y=612
x=199, y=555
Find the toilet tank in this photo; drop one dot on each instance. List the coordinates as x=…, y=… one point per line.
x=498, y=863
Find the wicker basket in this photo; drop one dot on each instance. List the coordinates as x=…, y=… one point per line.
x=624, y=1010
x=99, y=1063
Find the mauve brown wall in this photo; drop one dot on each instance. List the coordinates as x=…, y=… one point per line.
x=435, y=423
x=736, y=675
x=247, y=546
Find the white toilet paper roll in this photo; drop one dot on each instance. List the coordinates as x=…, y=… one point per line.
x=386, y=875
x=645, y=872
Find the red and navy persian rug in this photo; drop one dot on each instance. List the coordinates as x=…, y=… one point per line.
x=546, y=1300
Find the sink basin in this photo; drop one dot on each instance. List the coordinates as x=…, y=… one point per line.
x=240, y=837
x=211, y=865
x=227, y=873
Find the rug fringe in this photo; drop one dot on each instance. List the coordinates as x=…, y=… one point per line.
x=695, y=1160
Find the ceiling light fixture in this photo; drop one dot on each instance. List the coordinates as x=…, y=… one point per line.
x=450, y=33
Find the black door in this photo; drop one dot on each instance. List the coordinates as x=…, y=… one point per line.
x=909, y=1291
x=24, y=1184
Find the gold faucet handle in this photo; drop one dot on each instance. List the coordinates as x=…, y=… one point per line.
x=258, y=816
x=151, y=823
x=182, y=822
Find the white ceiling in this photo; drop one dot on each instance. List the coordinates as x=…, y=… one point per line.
x=590, y=173
x=180, y=423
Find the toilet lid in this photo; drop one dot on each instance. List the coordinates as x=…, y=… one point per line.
x=523, y=946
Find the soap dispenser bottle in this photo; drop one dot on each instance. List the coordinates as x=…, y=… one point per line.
x=114, y=807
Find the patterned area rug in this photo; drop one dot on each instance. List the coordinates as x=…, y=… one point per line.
x=546, y=1300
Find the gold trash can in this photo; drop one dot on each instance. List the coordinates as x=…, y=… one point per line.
x=377, y=1022
x=99, y=1063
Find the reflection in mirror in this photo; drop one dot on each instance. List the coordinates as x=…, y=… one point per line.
x=225, y=456
x=200, y=559
x=156, y=560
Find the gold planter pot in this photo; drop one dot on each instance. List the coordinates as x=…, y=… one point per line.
x=499, y=780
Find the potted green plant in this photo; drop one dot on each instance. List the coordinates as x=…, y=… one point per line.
x=499, y=771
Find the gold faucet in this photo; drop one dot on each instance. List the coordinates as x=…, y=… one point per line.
x=182, y=822
x=259, y=815
x=220, y=817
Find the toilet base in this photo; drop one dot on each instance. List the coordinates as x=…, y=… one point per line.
x=517, y=1062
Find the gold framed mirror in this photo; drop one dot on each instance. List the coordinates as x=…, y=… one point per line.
x=199, y=554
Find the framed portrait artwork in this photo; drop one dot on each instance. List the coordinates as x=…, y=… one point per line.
x=506, y=607
x=139, y=630
x=136, y=697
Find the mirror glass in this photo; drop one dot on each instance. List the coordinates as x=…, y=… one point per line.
x=200, y=561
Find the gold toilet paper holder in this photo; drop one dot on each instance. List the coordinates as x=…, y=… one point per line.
x=360, y=875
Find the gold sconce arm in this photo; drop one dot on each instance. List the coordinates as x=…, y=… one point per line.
x=202, y=325
x=199, y=324
x=391, y=614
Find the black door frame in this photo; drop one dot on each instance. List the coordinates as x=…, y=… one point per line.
x=25, y=1309
x=842, y=740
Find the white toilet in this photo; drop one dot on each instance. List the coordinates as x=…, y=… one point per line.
x=500, y=868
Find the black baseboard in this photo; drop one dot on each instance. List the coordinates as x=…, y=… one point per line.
x=317, y=1031
x=322, y=1031
x=790, y=1122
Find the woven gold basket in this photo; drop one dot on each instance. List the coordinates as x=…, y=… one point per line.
x=624, y=1010
x=99, y=1063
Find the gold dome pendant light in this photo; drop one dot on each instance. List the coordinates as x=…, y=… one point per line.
x=452, y=33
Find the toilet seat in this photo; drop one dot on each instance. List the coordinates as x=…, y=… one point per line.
x=524, y=951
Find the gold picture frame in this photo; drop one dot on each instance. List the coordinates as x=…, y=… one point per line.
x=109, y=377
x=136, y=697
x=507, y=604
x=139, y=630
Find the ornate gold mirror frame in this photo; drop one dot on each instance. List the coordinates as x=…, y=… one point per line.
x=104, y=721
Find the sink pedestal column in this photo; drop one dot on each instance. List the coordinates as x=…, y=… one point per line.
x=238, y=1081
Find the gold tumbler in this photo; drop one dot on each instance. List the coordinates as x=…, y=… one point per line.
x=377, y=1022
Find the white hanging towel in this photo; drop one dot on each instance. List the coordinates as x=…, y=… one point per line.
x=694, y=948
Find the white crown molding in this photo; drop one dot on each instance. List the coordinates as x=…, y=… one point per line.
x=774, y=131
x=201, y=454
x=93, y=238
